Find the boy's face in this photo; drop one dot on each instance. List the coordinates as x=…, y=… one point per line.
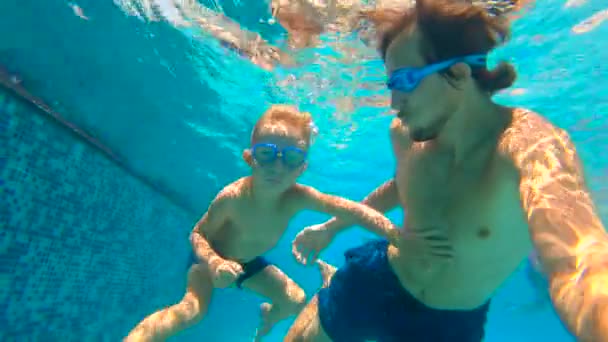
x=278, y=156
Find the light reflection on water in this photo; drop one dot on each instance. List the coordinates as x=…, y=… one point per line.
x=554, y=46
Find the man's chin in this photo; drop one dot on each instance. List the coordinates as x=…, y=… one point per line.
x=422, y=135
x=430, y=132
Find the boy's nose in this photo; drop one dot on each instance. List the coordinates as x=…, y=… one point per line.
x=277, y=165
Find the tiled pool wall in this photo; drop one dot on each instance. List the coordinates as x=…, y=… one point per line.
x=86, y=249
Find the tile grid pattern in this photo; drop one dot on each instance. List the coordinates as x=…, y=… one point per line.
x=86, y=249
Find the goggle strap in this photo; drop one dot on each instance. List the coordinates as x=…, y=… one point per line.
x=476, y=60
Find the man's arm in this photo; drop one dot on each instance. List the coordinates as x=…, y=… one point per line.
x=567, y=233
x=350, y=211
x=211, y=222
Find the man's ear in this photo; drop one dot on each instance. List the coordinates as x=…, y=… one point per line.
x=460, y=72
x=302, y=168
x=247, y=157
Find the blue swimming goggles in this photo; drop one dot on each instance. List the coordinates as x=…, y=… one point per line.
x=266, y=154
x=407, y=79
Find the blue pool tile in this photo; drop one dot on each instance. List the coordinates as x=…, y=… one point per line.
x=87, y=249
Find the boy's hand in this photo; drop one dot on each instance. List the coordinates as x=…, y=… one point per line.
x=310, y=242
x=225, y=272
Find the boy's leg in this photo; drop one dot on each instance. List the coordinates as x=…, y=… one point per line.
x=307, y=326
x=286, y=297
x=165, y=323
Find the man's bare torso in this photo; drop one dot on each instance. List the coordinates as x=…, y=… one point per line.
x=253, y=227
x=477, y=202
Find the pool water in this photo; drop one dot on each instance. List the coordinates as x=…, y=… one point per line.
x=176, y=107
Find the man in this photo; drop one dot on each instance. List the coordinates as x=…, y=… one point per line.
x=482, y=185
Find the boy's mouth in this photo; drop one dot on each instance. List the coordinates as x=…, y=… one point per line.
x=272, y=179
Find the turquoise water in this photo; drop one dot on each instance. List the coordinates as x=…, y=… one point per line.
x=178, y=108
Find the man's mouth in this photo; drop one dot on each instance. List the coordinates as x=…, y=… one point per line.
x=402, y=114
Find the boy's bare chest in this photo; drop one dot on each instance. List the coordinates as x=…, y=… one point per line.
x=254, y=223
x=251, y=232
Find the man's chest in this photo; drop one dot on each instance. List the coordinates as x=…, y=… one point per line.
x=470, y=203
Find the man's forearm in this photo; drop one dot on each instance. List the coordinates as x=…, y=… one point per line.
x=202, y=249
x=577, y=276
x=383, y=199
x=582, y=305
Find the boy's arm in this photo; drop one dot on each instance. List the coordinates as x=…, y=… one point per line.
x=386, y=197
x=212, y=221
x=350, y=211
x=382, y=199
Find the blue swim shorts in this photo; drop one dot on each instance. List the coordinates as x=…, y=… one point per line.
x=365, y=301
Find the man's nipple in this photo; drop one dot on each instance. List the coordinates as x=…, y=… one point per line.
x=483, y=232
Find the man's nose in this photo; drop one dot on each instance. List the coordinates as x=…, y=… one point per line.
x=398, y=99
x=275, y=5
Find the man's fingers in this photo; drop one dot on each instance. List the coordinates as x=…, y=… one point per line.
x=432, y=248
x=432, y=236
x=425, y=230
x=440, y=248
x=442, y=254
x=439, y=244
x=431, y=232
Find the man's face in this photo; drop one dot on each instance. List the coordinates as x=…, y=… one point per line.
x=426, y=108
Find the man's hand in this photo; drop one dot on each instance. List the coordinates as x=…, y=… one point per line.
x=309, y=243
x=224, y=272
x=430, y=242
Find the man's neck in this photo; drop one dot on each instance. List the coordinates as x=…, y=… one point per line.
x=473, y=127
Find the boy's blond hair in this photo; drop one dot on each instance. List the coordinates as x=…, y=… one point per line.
x=289, y=116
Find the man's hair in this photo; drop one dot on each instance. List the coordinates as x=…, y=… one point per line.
x=286, y=115
x=450, y=29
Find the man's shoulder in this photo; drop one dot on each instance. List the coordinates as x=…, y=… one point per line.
x=530, y=125
x=529, y=134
